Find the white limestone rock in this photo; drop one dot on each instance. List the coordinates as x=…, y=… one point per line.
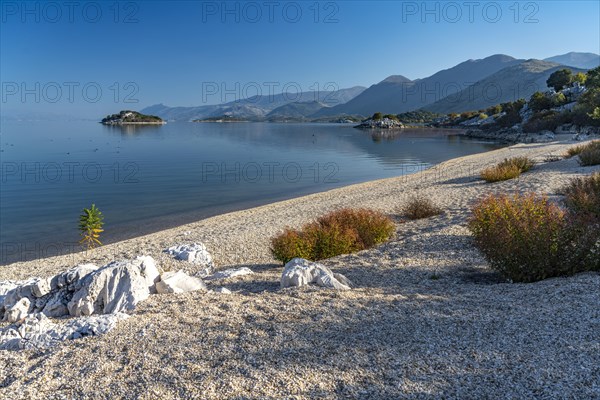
x=37, y=331
x=230, y=273
x=56, y=305
x=18, y=311
x=70, y=276
x=41, y=287
x=343, y=280
x=5, y=288
x=195, y=253
x=49, y=296
x=178, y=282
x=62, y=288
x=301, y=272
x=79, y=291
x=19, y=290
x=116, y=287
x=223, y=290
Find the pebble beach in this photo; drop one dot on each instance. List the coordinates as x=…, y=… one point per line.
x=427, y=319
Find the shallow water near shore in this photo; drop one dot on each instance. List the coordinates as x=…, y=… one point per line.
x=147, y=178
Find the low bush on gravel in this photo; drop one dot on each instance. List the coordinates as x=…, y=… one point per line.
x=498, y=174
x=528, y=238
x=508, y=169
x=590, y=154
x=519, y=235
x=419, y=207
x=575, y=150
x=582, y=196
x=340, y=232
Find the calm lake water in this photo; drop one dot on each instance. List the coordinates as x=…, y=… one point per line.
x=150, y=177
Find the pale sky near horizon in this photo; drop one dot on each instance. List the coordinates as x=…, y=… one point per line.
x=139, y=53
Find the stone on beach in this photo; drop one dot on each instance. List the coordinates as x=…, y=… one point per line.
x=178, y=282
x=18, y=311
x=49, y=296
x=301, y=272
x=38, y=331
x=116, y=287
x=195, y=253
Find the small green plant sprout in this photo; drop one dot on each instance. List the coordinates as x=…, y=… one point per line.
x=90, y=226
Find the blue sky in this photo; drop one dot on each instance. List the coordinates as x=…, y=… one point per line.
x=172, y=52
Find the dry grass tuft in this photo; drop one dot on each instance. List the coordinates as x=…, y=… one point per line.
x=419, y=207
x=510, y=168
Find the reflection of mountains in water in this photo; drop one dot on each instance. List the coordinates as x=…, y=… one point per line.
x=399, y=146
x=390, y=147
x=413, y=133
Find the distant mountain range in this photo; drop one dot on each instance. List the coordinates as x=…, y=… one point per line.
x=296, y=111
x=577, y=60
x=470, y=85
x=397, y=93
x=508, y=84
x=256, y=107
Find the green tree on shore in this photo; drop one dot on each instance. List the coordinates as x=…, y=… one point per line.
x=592, y=80
x=560, y=79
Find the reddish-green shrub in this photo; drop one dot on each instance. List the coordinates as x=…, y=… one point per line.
x=332, y=239
x=340, y=232
x=519, y=235
x=372, y=227
x=528, y=238
x=582, y=196
x=581, y=243
x=292, y=242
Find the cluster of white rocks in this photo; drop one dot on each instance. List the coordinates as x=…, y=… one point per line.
x=105, y=292
x=90, y=300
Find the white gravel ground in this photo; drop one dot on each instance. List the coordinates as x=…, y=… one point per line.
x=428, y=319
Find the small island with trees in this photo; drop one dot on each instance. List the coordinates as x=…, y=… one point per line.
x=128, y=117
x=380, y=121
